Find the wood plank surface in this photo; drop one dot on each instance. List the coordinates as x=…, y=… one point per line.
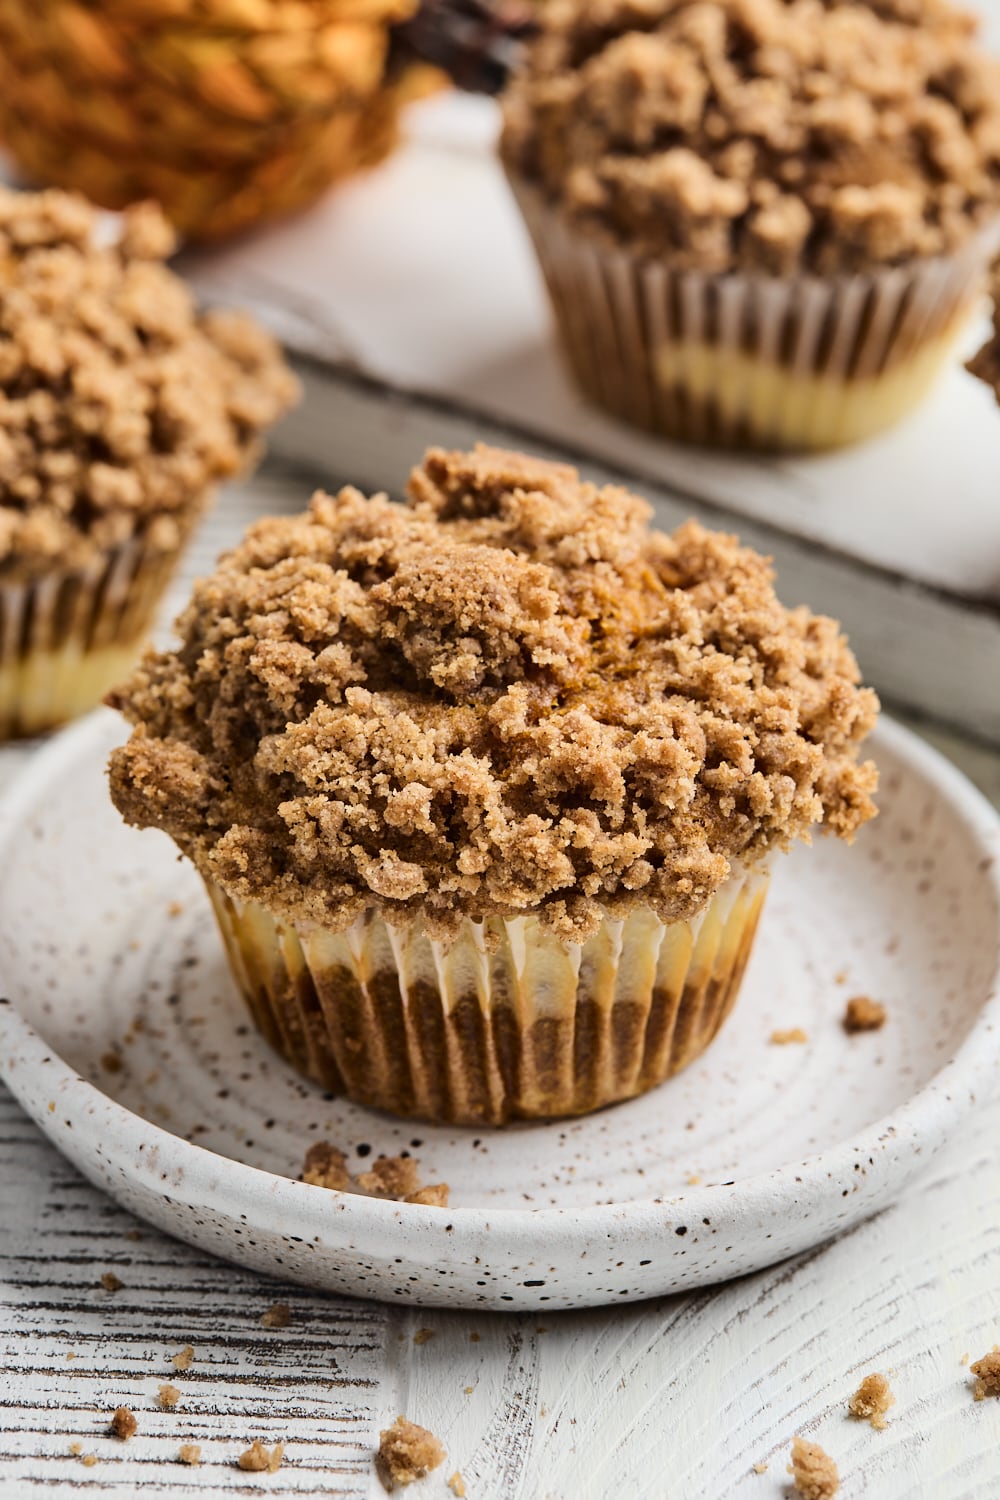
x=677, y=1398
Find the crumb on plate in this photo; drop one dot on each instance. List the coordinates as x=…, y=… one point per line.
x=457, y=1485
x=168, y=1396
x=863, y=1014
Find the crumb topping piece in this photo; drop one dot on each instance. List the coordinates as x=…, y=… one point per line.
x=987, y=1371
x=123, y=1423
x=189, y=1453
x=259, y=1459
x=407, y=1452
x=789, y=1038
x=110, y=1282
x=278, y=1315
x=457, y=1486
x=183, y=1358
x=168, y=1396
x=762, y=135
x=872, y=1400
x=814, y=1474
x=396, y=1177
x=863, y=1014
x=120, y=404
x=511, y=696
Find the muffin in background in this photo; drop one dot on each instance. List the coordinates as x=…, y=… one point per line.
x=484, y=788
x=120, y=408
x=762, y=222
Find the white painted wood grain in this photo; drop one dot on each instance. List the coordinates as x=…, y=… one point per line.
x=673, y=1400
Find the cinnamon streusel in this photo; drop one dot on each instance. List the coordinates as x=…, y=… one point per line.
x=744, y=174
x=508, y=753
x=120, y=407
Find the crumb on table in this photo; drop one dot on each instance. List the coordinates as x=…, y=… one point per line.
x=987, y=1370
x=110, y=1282
x=406, y=1452
x=168, y=1396
x=278, y=1315
x=788, y=1038
x=863, y=1014
x=183, y=1358
x=123, y=1423
x=872, y=1400
x=76, y=1448
x=760, y=1468
x=259, y=1459
x=457, y=1485
x=422, y=1335
x=814, y=1473
x=89, y=1460
x=189, y=1453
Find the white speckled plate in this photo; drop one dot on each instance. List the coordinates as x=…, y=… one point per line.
x=107, y=946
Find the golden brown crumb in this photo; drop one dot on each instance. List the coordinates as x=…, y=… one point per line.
x=182, y=1360
x=71, y=1354
x=259, y=1460
x=814, y=1473
x=278, y=1315
x=189, y=1453
x=76, y=1448
x=694, y=1180
x=123, y=1423
x=988, y=1371
x=760, y=1468
x=763, y=135
x=789, y=1038
x=390, y=1177
x=457, y=1485
x=863, y=1014
x=168, y=1395
x=406, y=1452
x=872, y=1400
x=175, y=909
x=469, y=1390
x=110, y=1282
x=326, y=1166
x=510, y=696
x=120, y=404
x=422, y=1335
x=964, y=1360
x=89, y=1460
x=111, y=1062
x=433, y=1196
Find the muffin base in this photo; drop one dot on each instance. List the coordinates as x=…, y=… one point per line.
x=506, y=1023
x=67, y=638
x=751, y=361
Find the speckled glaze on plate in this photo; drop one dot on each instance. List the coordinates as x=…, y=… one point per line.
x=122, y=1035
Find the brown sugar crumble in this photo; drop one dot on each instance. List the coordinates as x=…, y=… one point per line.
x=987, y=1371
x=182, y=1360
x=872, y=1400
x=259, y=1459
x=406, y=1452
x=395, y=1177
x=760, y=1468
x=509, y=696
x=789, y=1038
x=168, y=1396
x=761, y=135
x=120, y=404
x=278, y=1315
x=123, y=1423
x=76, y=1448
x=457, y=1485
x=814, y=1474
x=89, y=1460
x=110, y=1282
x=189, y=1453
x=863, y=1014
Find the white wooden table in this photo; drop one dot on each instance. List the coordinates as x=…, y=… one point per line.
x=678, y=1398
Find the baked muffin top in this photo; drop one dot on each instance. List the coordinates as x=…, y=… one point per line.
x=120, y=404
x=761, y=135
x=510, y=696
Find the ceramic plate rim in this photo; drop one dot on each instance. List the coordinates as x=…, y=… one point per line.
x=930, y=1114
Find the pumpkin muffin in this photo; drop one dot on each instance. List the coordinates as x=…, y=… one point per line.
x=761, y=222
x=120, y=407
x=484, y=788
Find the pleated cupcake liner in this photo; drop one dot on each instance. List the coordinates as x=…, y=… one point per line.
x=66, y=638
x=506, y=1022
x=754, y=361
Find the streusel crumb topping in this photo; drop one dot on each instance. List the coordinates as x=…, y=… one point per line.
x=120, y=404
x=510, y=696
x=766, y=135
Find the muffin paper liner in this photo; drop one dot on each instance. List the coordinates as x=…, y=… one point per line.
x=68, y=637
x=793, y=362
x=506, y=1022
